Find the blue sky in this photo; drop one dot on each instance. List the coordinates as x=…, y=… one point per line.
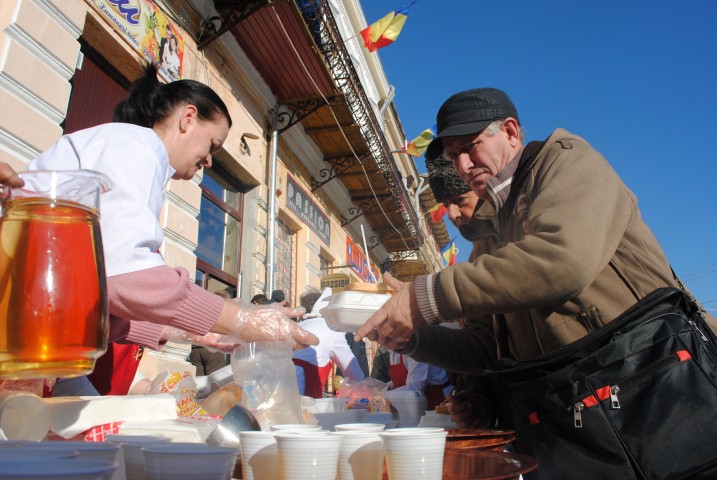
x=635, y=78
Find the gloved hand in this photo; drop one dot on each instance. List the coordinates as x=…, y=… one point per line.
x=270, y=323
x=214, y=342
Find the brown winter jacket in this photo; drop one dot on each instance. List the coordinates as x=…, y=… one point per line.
x=573, y=253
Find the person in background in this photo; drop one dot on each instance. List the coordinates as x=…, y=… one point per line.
x=381, y=364
x=260, y=299
x=359, y=351
x=573, y=251
x=313, y=364
x=160, y=132
x=208, y=360
x=408, y=374
x=278, y=296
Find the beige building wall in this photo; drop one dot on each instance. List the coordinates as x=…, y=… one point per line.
x=40, y=50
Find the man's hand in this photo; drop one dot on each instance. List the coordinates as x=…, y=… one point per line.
x=469, y=410
x=396, y=320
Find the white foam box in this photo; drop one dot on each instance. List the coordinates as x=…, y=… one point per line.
x=348, y=310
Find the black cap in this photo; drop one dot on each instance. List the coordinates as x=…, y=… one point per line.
x=472, y=111
x=277, y=296
x=442, y=177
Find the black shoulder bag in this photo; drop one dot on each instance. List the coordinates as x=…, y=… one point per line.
x=636, y=399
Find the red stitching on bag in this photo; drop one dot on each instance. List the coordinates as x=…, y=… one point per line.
x=590, y=401
x=683, y=355
x=533, y=418
x=603, y=393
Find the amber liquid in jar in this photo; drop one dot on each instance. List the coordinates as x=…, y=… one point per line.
x=53, y=300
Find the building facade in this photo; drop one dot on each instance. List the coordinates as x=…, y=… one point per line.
x=308, y=182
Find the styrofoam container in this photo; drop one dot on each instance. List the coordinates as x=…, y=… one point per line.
x=348, y=310
x=329, y=420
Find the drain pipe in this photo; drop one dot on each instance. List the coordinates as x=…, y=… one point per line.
x=422, y=187
x=271, y=227
x=386, y=102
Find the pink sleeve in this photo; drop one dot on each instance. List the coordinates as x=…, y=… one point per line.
x=161, y=296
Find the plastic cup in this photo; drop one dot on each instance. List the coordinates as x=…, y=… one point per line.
x=119, y=439
x=134, y=457
x=189, y=461
x=100, y=451
x=23, y=416
x=373, y=427
x=360, y=456
x=412, y=455
x=43, y=468
x=308, y=455
x=259, y=455
x=295, y=427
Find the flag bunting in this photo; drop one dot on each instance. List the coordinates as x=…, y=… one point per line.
x=437, y=211
x=418, y=145
x=449, y=253
x=385, y=31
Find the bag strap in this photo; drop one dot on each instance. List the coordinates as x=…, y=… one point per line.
x=696, y=305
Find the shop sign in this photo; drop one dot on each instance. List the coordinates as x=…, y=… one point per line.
x=359, y=262
x=147, y=30
x=299, y=202
x=334, y=281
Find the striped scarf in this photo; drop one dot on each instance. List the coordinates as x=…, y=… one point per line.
x=498, y=187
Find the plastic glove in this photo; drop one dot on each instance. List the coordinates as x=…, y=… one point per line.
x=214, y=342
x=270, y=323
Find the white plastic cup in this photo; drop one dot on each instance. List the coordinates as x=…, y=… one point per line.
x=373, y=427
x=360, y=456
x=23, y=416
x=134, y=457
x=295, y=427
x=189, y=461
x=101, y=451
x=414, y=455
x=308, y=455
x=57, y=469
x=259, y=455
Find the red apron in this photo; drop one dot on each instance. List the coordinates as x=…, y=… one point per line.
x=115, y=370
x=314, y=377
x=434, y=393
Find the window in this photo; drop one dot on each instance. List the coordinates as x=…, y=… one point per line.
x=218, y=262
x=325, y=264
x=284, y=258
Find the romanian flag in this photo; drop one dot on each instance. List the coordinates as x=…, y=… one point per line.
x=437, y=212
x=385, y=31
x=418, y=145
x=449, y=253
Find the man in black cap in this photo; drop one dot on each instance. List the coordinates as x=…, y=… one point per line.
x=573, y=251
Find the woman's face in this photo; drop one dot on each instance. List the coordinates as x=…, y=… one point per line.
x=193, y=143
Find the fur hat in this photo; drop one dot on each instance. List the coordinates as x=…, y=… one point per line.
x=442, y=177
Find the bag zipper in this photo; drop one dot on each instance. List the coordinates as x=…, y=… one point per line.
x=649, y=372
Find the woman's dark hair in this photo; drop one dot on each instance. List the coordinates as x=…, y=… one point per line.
x=150, y=101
